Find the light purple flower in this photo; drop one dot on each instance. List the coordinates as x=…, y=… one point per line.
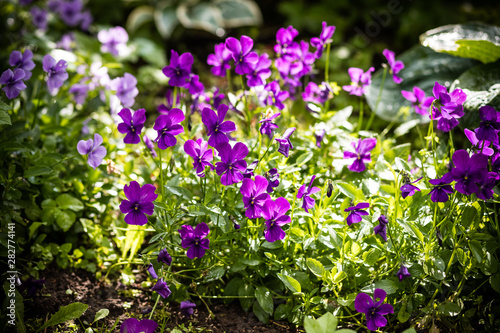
x=133, y=325
x=126, y=89
x=187, y=308
x=418, y=100
x=39, y=18
x=284, y=39
x=324, y=38
x=132, y=125
x=162, y=289
x=381, y=228
x=260, y=71
x=167, y=127
x=241, y=53
x=275, y=96
x=139, y=203
x=23, y=61
x=202, y=157
x=66, y=42
x=267, y=126
x=93, y=149
x=274, y=214
x=317, y=94
x=373, y=309
x=303, y=60
x=114, y=40
x=355, y=212
x=179, y=68
x=13, y=82
x=361, y=153
x=216, y=126
x=305, y=193
x=254, y=196
x=285, y=143
x=232, y=164
x=86, y=20
x=359, y=81
x=273, y=177
x=394, y=66
x=164, y=257
x=80, y=92
x=149, y=144
x=403, y=273
x=220, y=60
x=56, y=73
x=195, y=239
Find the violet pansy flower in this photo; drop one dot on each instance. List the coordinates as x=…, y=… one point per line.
x=403, y=273
x=441, y=189
x=132, y=125
x=374, y=310
x=23, y=61
x=254, y=196
x=285, y=143
x=126, y=89
x=56, y=73
x=260, y=71
x=179, y=68
x=359, y=81
x=241, y=53
x=70, y=11
x=319, y=135
x=164, y=257
x=468, y=171
x=168, y=126
x=394, y=66
x=150, y=145
x=93, y=149
x=195, y=239
x=139, y=203
x=381, y=228
x=324, y=38
x=447, y=107
x=305, y=193
x=355, y=212
x=481, y=147
x=114, y=40
x=220, y=60
x=202, y=157
x=273, y=177
x=216, y=126
x=152, y=272
x=490, y=124
x=485, y=188
x=284, y=39
x=133, y=325
x=193, y=84
x=361, y=153
x=274, y=214
x=187, y=308
x=275, y=96
x=267, y=126
x=250, y=168
x=80, y=92
x=13, y=82
x=408, y=189
x=418, y=100
x=232, y=164
x=162, y=289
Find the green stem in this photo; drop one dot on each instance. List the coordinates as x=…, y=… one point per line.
x=360, y=120
x=229, y=84
x=327, y=62
x=161, y=176
x=174, y=101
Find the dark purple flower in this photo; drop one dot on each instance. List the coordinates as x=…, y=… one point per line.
x=447, y=107
x=93, y=149
x=324, y=38
x=139, y=203
x=187, y=308
x=267, y=126
x=362, y=153
x=149, y=144
x=70, y=12
x=284, y=39
x=220, y=60
x=285, y=143
x=373, y=309
x=179, y=69
x=216, y=126
x=133, y=325
x=490, y=124
x=195, y=239
x=407, y=189
x=485, y=188
x=217, y=98
x=394, y=66
x=273, y=177
x=468, y=171
x=162, y=289
x=359, y=81
x=441, y=189
x=403, y=273
x=126, y=89
x=241, y=53
x=167, y=127
x=481, y=147
x=114, y=40
x=418, y=100
x=319, y=135
x=132, y=125
x=39, y=18
x=13, y=82
x=25, y=2
x=381, y=228
x=164, y=257
x=355, y=212
x=202, y=157
x=232, y=164
x=56, y=72
x=194, y=85
x=275, y=96
x=23, y=61
x=254, y=196
x=152, y=272
x=260, y=71
x=305, y=193
x=274, y=214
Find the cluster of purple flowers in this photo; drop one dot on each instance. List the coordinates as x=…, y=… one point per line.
x=114, y=40
x=72, y=13
x=447, y=108
x=13, y=79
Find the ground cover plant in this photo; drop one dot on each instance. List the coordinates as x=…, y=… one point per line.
x=249, y=183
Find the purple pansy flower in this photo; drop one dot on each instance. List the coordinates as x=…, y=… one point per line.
x=179, y=69
x=381, y=228
x=133, y=325
x=284, y=39
x=441, y=189
x=480, y=147
x=66, y=42
x=149, y=144
x=447, y=107
x=39, y=18
x=114, y=40
x=85, y=20
x=485, y=188
x=126, y=89
x=267, y=126
x=359, y=80
x=374, y=310
x=260, y=71
x=187, y=308
x=139, y=203
x=202, y=157
x=305, y=193
x=161, y=288
x=319, y=135
x=193, y=84
x=303, y=61
x=490, y=124
x=274, y=214
x=394, y=66
x=361, y=154
x=250, y=168
x=468, y=171
x=324, y=38
x=13, y=82
x=241, y=53
x=403, y=273
x=164, y=257
x=152, y=272
x=418, y=100
x=195, y=239
x=355, y=212
x=132, y=125
x=220, y=60
x=317, y=94
x=408, y=189
x=232, y=164
x=254, y=196
x=80, y=92
x=56, y=73
x=275, y=96
x=216, y=126
x=23, y=61
x=70, y=11
x=93, y=149
x=285, y=143
x=273, y=177
x=167, y=127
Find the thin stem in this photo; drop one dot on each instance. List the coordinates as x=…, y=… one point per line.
x=360, y=120
x=161, y=176
x=229, y=84
x=327, y=62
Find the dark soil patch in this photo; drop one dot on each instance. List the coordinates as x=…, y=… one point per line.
x=85, y=288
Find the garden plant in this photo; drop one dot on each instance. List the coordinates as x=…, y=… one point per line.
x=252, y=177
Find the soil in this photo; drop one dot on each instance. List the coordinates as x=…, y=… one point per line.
x=64, y=287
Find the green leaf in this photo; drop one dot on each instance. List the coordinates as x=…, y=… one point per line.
x=282, y=311
x=449, y=309
x=315, y=266
x=238, y=13
x=410, y=330
x=202, y=15
x=390, y=286
x=67, y=201
x=179, y=191
x=150, y=51
x=372, y=256
x=304, y=158
x=64, y=219
x=477, y=250
x=351, y=191
x=103, y=313
x=265, y=299
x=138, y=17
x=37, y=171
x=215, y=273
x=324, y=324
x=65, y=313
x=495, y=282
x=166, y=21
x=34, y=226
x=290, y=283
x=246, y=290
x=260, y=313
x=4, y=117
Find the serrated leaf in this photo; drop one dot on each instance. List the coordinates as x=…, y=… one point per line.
x=103, y=313
x=65, y=313
x=315, y=266
x=67, y=201
x=37, y=171
x=265, y=299
x=290, y=283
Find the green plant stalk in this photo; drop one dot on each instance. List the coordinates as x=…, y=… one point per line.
x=285, y=243
x=157, y=298
x=161, y=176
x=229, y=84
x=248, y=117
x=379, y=97
x=360, y=120
x=174, y=102
x=430, y=133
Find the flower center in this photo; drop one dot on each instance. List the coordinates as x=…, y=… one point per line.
x=136, y=207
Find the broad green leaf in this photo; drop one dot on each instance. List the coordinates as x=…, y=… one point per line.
x=67, y=201
x=324, y=324
x=315, y=266
x=282, y=311
x=495, y=282
x=351, y=191
x=390, y=286
x=265, y=299
x=103, y=313
x=477, y=250
x=138, y=17
x=246, y=290
x=38, y=170
x=215, y=273
x=166, y=21
x=34, y=226
x=304, y=158
x=449, y=309
x=64, y=219
x=65, y=313
x=238, y=13
x=372, y=256
x=4, y=117
x=179, y=191
x=290, y=283
x=150, y=51
x=410, y=330
x=260, y=313
x=202, y=15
